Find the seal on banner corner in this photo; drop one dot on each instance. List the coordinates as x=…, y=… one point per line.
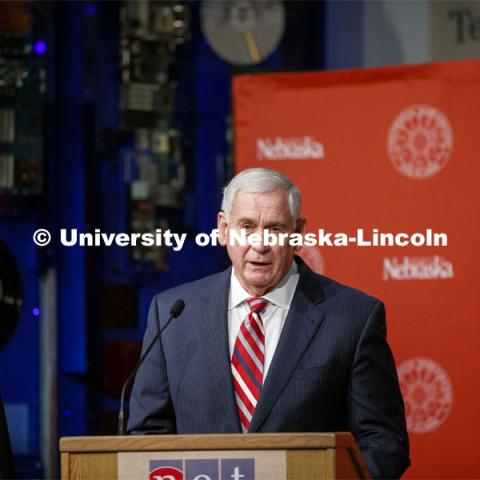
x=420, y=141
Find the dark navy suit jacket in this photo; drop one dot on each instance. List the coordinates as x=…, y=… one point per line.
x=332, y=370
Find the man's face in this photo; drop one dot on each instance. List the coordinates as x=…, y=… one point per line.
x=259, y=268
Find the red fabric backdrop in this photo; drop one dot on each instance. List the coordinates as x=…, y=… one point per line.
x=395, y=149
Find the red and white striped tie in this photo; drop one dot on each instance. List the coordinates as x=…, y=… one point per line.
x=247, y=362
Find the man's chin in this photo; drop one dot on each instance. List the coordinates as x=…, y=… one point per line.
x=259, y=284
x=259, y=274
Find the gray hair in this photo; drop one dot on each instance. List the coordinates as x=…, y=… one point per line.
x=260, y=180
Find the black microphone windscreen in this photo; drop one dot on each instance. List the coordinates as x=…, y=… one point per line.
x=177, y=308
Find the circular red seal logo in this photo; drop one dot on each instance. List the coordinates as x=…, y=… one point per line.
x=427, y=393
x=420, y=141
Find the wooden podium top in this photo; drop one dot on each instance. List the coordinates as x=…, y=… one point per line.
x=290, y=456
x=228, y=441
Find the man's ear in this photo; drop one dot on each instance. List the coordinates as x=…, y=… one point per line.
x=222, y=226
x=301, y=224
x=300, y=228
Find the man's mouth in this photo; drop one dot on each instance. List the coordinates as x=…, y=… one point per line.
x=260, y=264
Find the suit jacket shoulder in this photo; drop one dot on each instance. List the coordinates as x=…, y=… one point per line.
x=335, y=297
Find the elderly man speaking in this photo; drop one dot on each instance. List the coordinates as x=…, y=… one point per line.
x=270, y=346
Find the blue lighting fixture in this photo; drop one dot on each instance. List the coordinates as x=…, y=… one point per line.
x=40, y=47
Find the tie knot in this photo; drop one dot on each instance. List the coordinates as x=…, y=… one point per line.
x=257, y=305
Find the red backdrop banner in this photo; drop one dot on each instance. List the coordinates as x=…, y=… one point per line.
x=391, y=150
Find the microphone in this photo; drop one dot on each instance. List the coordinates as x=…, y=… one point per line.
x=175, y=311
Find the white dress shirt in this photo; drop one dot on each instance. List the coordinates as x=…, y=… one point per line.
x=273, y=317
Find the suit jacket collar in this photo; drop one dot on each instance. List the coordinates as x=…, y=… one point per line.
x=309, y=283
x=301, y=324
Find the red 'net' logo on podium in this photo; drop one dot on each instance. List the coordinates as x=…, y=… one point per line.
x=203, y=469
x=427, y=393
x=420, y=141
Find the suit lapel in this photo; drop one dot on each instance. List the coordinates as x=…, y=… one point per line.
x=214, y=328
x=302, y=322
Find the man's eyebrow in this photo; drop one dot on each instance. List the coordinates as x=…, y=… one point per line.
x=276, y=224
x=245, y=219
x=267, y=225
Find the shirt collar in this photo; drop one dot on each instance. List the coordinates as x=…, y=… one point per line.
x=281, y=295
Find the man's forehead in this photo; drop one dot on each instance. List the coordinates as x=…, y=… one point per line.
x=277, y=195
x=273, y=203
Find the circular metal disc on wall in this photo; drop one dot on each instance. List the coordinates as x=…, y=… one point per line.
x=10, y=295
x=243, y=32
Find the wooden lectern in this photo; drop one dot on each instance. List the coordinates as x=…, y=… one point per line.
x=285, y=456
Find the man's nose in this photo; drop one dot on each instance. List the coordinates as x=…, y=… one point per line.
x=262, y=246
